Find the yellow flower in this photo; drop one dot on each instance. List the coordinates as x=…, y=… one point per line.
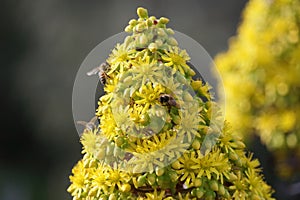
x=145, y=70
x=108, y=124
x=89, y=140
x=119, y=58
x=79, y=181
x=98, y=185
x=177, y=59
x=155, y=195
x=148, y=95
x=189, y=121
x=214, y=164
x=116, y=178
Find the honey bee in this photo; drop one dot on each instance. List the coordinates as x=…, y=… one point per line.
x=101, y=71
x=90, y=126
x=167, y=100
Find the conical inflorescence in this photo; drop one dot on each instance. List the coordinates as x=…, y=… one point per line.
x=160, y=135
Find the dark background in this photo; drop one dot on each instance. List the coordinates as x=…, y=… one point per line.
x=43, y=43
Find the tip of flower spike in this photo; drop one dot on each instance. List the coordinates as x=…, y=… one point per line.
x=142, y=13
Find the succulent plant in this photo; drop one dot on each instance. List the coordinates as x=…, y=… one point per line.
x=160, y=135
x=261, y=73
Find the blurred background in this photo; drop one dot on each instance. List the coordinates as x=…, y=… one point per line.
x=43, y=44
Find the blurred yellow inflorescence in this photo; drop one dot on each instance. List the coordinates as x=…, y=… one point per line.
x=157, y=139
x=261, y=74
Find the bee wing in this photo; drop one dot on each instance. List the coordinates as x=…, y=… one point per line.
x=93, y=120
x=93, y=71
x=81, y=123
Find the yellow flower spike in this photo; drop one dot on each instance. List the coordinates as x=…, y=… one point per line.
x=146, y=149
x=263, y=101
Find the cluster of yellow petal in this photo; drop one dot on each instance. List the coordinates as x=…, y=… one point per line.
x=159, y=135
x=261, y=73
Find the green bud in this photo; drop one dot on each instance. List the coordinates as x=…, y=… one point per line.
x=221, y=190
x=152, y=18
x=210, y=195
x=142, y=12
x=161, y=32
x=176, y=165
x=199, y=192
x=143, y=39
x=173, y=175
x=128, y=29
x=159, y=42
x=163, y=20
x=120, y=141
x=149, y=22
x=112, y=197
x=187, y=97
x=232, y=177
x=170, y=31
x=196, y=145
x=171, y=41
x=176, y=119
x=213, y=184
x=151, y=178
x=159, y=171
x=141, y=181
x=125, y=187
x=193, y=192
x=139, y=28
x=198, y=182
x=152, y=47
x=163, y=181
x=133, y=22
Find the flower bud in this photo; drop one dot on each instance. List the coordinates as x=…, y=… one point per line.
x=149, y=22
x=133, y=22
x=142, y=12
x=198, y=182
x=128, y=29
x=151, y=178
x=170, y=31
x=163, y=20
x=232, y=177
x=143, y=39
x=196, y=145
x=125, y=187
x=152, y=47
x=112, y=197
x=141, y=181
x=176, y=165
x=221, y=190
x=173, y=175
x=213, y=184
x=187, y=97
x=171, y=41
x=196, y=85
x=159, y=171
